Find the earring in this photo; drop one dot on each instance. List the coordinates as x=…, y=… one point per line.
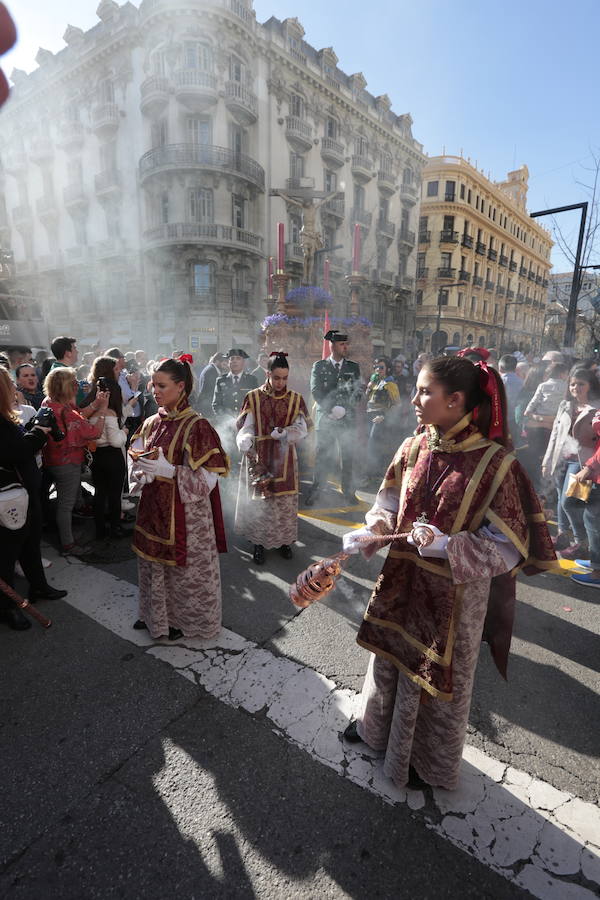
x=450, y=405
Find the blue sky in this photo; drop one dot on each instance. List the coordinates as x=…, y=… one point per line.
x=508, y=84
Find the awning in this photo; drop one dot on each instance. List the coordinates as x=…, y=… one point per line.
x=166, y=339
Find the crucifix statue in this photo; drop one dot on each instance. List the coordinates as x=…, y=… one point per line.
x=311, y=239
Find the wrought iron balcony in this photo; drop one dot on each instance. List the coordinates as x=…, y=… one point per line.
x=467, y=241
x=523, y=271
x=105, y=119
x=531, y=275
x=520, y=296
x=298, y=183
x=332, y=152
x=294, y=252
x=489, y=286
x=204, y=233
x=501, y=291
x=423, y=272
x=544, y=282
x=538, y=279
x=477, y=281
x=195, y=88
x=406, y=236
x=492, y=255
x=503, y=260
x=450, y=196
x=201, y=156
x=409, y=192
x=241, y=102
x=512, y=265
x=463, y=275
x=382, y=277
x=510, y=294
x=388, y=229
x=334, y=207
x=444, y=272
x=361, y=217
x=299, y=133
x=424, y=237
x=362, y=168
x=408, y=282
x=448, y=237
x=480, y=248
x=386, y=182
x=154, y=95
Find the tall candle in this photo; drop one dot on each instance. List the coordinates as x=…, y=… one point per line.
x=280, y=248
x=356, y=250
x=270, y=279
x=326, y=275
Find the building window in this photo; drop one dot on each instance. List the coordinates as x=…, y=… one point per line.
x=419, y=298
x=331, y=128
x=469, y=196
x=407, y=176
x=386, y=163
x=329, y=181
x=443, y=297
x=160, y=133
x=238, y=207
x=295, y=228
x=473, y=304
x=201, y=205
x=237, y=69
x=198, y=56
x=297, y=106
x=462, y=192
x=296, y=165
x=450, y=193
x=459, y=302
x=163, y=214
x=361, y=146
x=203, y=280
x=107, y=91
x=199, y=130
x=445, y=260
x=359, y=196
x=432, y=188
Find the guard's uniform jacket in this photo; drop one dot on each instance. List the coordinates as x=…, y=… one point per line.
x=332, y=388
x=228, y=396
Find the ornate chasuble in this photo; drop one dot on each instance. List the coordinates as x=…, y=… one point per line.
x=415, y=608
x=273, y=411
x=160, y=534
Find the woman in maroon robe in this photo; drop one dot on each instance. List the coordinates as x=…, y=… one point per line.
x=179, y=528
x=473, y=522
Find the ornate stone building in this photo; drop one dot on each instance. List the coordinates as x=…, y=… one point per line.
x=482, y=264
x=138, y=164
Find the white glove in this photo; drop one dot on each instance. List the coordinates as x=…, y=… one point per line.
x=139, y=479
x=245, y=442
x=338, y=412
x=160, y=467
x=378, y=420
x=438, y=548
x=210, y=478
x=350, y=542
x=279, y=434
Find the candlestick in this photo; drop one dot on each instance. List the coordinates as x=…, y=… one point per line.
x=270, y=279
x=280, y=248
x=356, y=250
x=326, y=275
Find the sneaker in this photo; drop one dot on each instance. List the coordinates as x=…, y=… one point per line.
x=574, y=551
x=587, y=579
x=583, y=563
x=561, y=541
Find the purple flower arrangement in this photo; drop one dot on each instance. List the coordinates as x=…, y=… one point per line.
x=309, y=294
x=306, y=321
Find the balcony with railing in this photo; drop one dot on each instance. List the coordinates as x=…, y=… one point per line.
x=450, y=197
x=299, y=133
x=105, y=119
x=150, y=8
x=489, y=286
x=520, y=296
x=386, y=228
x=512, y=265
x=46, y=207
x=154, y=95
x=500, y=290
x=538, y=279
x=195, y=88
x=503, y=261
x=523, y=271
x=407, y=237
x=424, y=237
x=361, y=217
x=406, y=282
x=379, y=276
x=240, y=299
x=477, y=281
x=386, y=182
x=467, y=241
x=201, y=156
x=531, y=275
x=492, y=255
x=332, y=152
x=422, y=272
x=480, y=248
x=334, y=207
x=108, y=181
x=362, y=168
x=446, y=272
x=409, y=193
x=293, y=252
x=241, y=102
x=204, y=233
x=74, y=195
x=463, y=275
x=299, y=183
x=510, y=295
x=71, y=135
x=448, y=237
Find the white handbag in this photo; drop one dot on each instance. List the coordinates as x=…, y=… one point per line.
x=14, y=503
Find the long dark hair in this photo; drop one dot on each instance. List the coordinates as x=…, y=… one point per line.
x=457, y=374
x=279, y=361
x=104, y=367
x=179, y=371
x=583, y=374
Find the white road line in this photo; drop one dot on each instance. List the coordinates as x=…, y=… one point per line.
x=545, y=840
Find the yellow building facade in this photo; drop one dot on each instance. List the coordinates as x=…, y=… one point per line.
x=482, y=264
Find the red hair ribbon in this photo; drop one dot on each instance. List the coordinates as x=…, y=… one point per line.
x=489, y=385
x=277, y=353
x=186, y=357
x=480, y=351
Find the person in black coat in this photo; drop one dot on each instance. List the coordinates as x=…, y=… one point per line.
x=336, y=387
x=18, y=450
x=216, y=367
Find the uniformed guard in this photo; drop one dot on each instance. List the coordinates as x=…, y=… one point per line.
x=228, y=399
x=336, y=388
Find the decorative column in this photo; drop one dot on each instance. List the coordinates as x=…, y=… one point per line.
x=281, y=281
x=355, y=280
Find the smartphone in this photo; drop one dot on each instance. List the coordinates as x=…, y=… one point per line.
x=135, y=395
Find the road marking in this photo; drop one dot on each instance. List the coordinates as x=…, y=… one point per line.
x=542, y=839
